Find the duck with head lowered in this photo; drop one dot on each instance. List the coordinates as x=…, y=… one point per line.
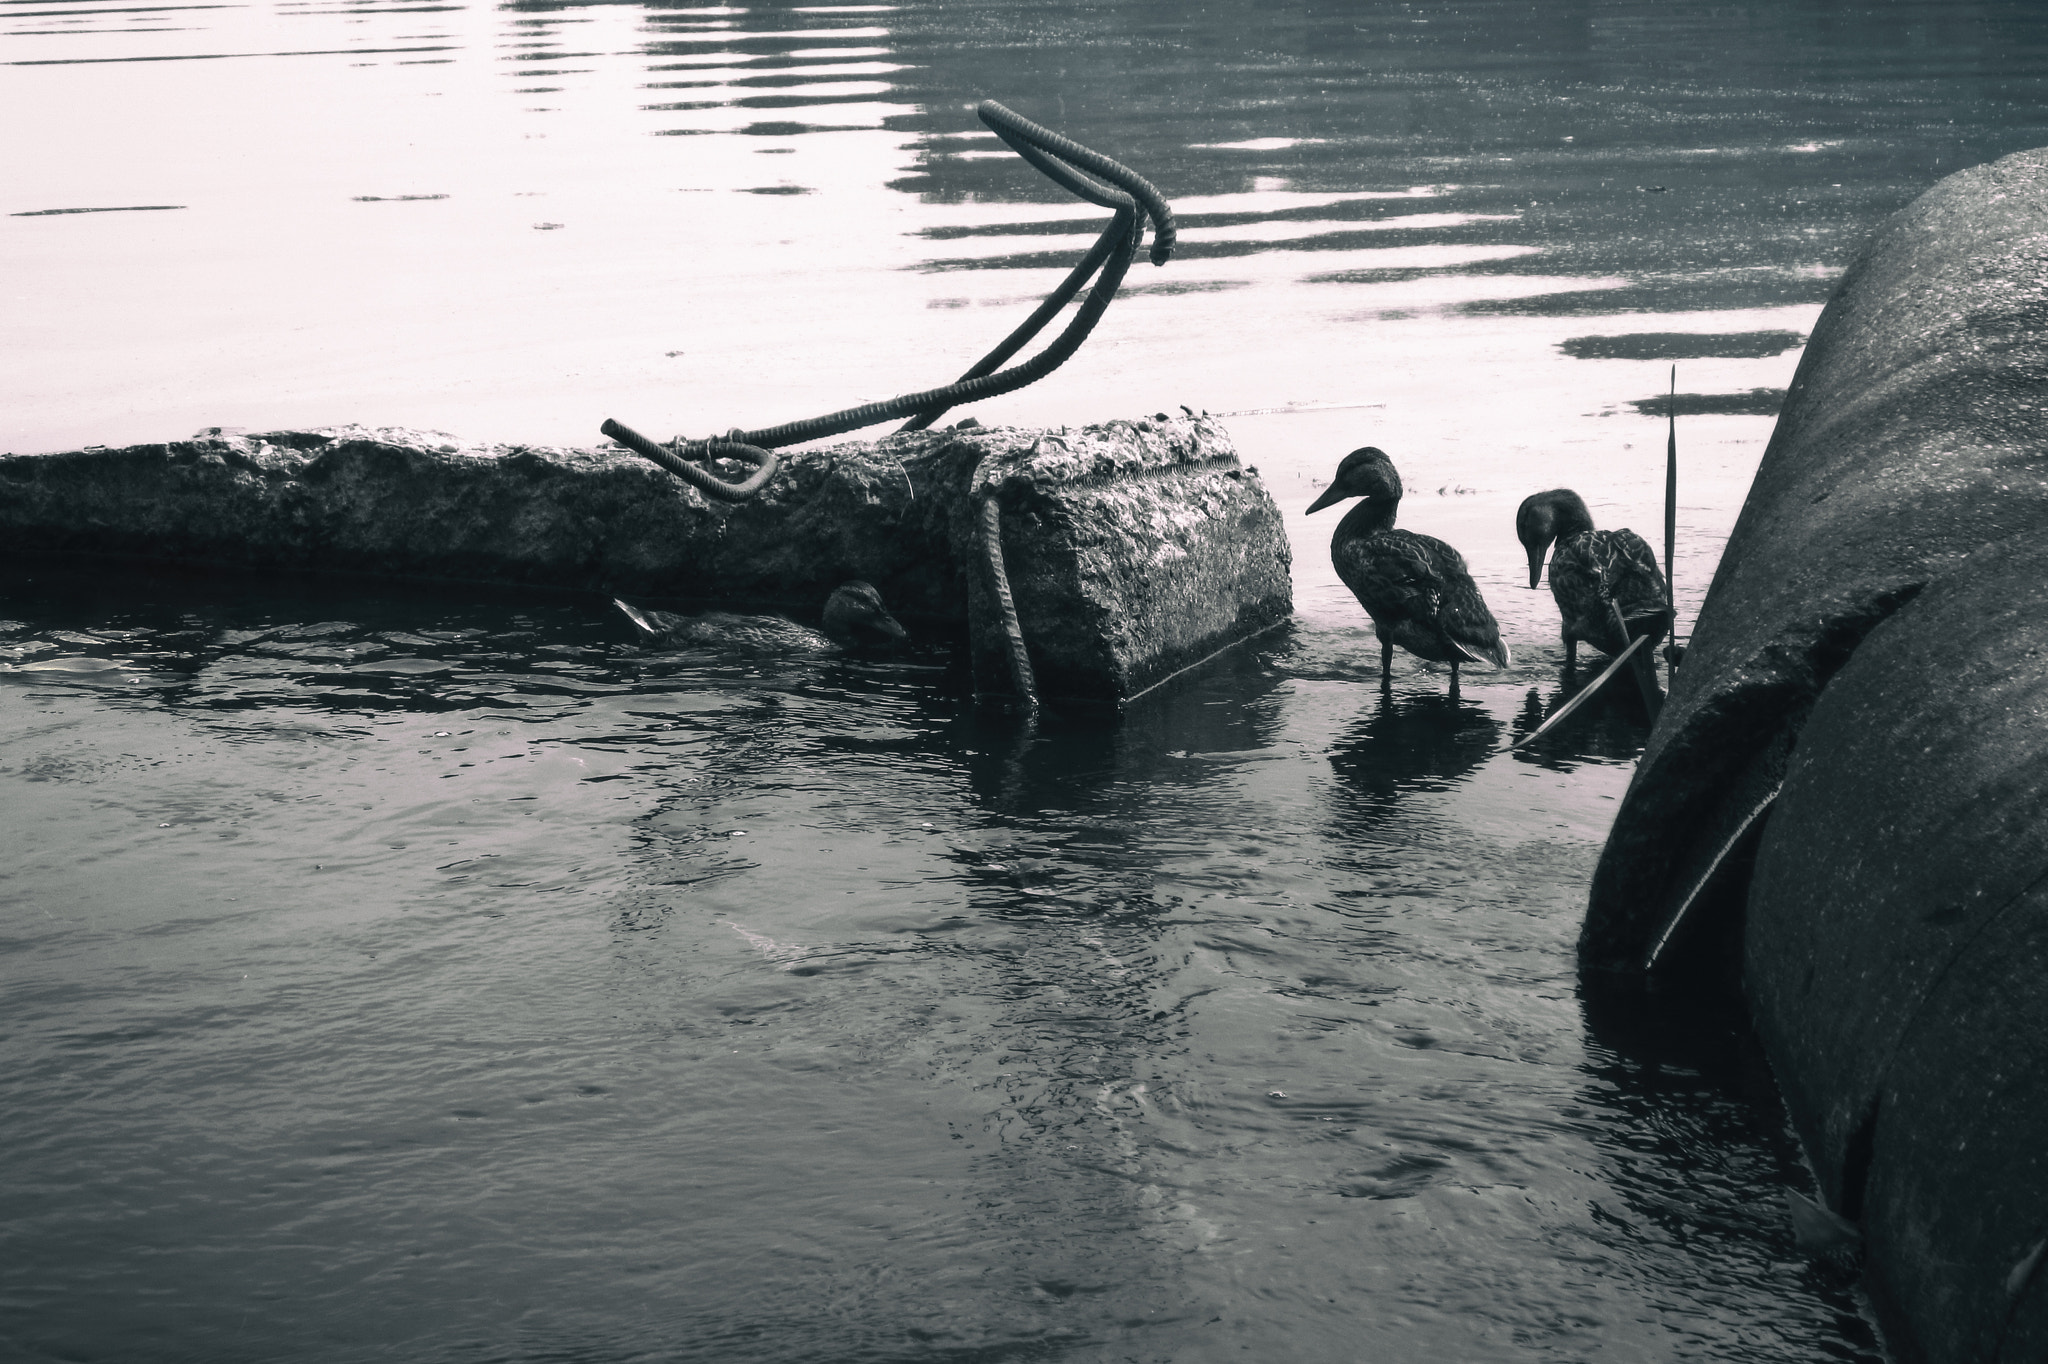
x=1595, y=575
x=854, y=618
x=1415, y=587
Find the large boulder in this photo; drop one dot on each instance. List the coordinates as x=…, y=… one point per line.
x=1912, y=435
x=1854, y=761
x=1134, y=548
x=1896, y=943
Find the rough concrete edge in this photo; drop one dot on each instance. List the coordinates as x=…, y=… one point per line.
x=955, y=463
x=1682, y=787
x=1041, y=481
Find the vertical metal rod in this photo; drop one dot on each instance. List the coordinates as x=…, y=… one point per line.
x=1021, y=676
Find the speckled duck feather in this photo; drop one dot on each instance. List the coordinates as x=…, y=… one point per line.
x=1419, y=594
x=1593, y=571
x=1416, y=588
x=854, y=616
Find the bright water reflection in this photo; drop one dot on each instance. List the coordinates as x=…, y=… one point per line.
x=455, y=981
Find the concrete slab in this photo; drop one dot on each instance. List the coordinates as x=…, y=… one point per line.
x=1135, y=548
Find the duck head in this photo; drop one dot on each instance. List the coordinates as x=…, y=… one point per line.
x=854, y=614
x=1366, y=473
x=1544, y=518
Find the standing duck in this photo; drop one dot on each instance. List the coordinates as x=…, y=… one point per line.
x=854, y=616
x=1416, y=588
x=1592, y=574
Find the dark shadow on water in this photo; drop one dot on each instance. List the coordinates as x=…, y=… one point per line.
x=224, y=641
x=1081, y=757
x=1611, y=726
x=1699, y=1148
x=1682, y=345
x=1403, y=744
x=1755, y=402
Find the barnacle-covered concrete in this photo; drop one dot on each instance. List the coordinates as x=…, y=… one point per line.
x=1133, y=548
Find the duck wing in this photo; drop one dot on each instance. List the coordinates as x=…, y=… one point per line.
x=1634, y=582
x=1594, y=572
x=723, y=630
x=1418, y=591
x=1462, y=613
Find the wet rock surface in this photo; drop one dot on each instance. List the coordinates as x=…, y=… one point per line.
x=1874, y=654
x=1912, y=435
x=1896, y=941
x=1135, y=547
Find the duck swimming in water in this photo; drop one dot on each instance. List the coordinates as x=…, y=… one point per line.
x=854, y=617
x=1415, y=587
x=1592, y=574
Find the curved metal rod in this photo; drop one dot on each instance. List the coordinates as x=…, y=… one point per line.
x=1070, y=165
x=1012, y=128
x=1024, y=138
x=677, y=461
x=984, y=386
x=1113, y=237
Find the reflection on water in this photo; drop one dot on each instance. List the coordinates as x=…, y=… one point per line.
x=1376, y=199
x=458, y=976
x=1473, y=237
x=460, y=979
x=1609, y=725
x=1412, y=743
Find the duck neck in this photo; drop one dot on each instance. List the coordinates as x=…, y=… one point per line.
x=1371, y=516
x=1572, y=518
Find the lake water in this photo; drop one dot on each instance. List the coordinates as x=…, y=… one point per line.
x=394, y=975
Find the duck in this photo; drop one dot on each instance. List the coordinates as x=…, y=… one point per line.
x=1415, y=587
x=1592, y=574
x=854, y=618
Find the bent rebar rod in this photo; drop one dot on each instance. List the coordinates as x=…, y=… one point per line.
x=1075, y=168
x=990, y=520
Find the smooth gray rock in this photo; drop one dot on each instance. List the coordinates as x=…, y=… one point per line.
x=1135, y=547
x=1896, y=944
x=1913, y=434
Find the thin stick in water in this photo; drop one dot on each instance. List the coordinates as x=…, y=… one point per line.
x=1585, y=694
x=1671, y=519
x=1645, y=667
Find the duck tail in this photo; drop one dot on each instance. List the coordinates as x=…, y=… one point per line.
x=1495, y=652
x=1655, y=622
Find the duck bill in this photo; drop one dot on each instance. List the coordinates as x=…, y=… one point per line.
x=1330, y=495
x=1535, y=568
x=887, y=625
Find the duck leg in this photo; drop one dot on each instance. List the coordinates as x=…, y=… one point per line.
x=1386, y=659
x=1571, y=655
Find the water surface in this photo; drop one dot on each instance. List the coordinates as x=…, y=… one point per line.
x=446, y=977
x=464, y=982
